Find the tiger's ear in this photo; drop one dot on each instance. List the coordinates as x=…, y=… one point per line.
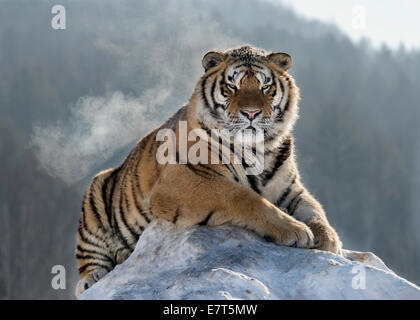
x=212, y=59
x=283, y=60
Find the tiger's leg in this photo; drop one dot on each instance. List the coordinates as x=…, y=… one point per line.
x=93, y=253
x=214, y=200
x=304, y=207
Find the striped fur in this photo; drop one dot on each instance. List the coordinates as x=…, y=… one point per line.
x=120, y=203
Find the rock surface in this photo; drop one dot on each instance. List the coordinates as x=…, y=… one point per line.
x=232, y=263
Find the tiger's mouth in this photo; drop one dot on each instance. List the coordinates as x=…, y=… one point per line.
x=248, y=133
x=254, y=127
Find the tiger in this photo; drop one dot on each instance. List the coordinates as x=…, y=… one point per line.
x=243, y=88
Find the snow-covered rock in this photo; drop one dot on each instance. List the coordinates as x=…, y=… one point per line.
x=232, y=263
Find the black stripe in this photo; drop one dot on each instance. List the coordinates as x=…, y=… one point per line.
x=82, y=257
x=116, y=225
x=86, y=227
x=210, y=169
x=212, y=150
x=222, y=89
x=79, y=248
x=252, y=179
x=133, y=232
x=286, y=192
x=204, y=95
x=123, y=212
x=151, y=145
x=206, y=220
x=292, y=203
x=283, y=154
x=203, y=90
x=104, y=199
x=254, y=150
x=95, y=209
x=213, y=89
x=279, y=116
x=253, y=182
x=140, y=227
x=86, y=240
x=270, y=138
x=127, y=204
x=275, y=84
x=175, y=219
x=232, y=149
x=137, y=186
x=84, y=267
x=282, y=91
x=201, y=173
x=286, y=107
x=108, y=200
x=138, y=205
x=229, y=166
x=292, y=212
x=143, y=213
x=222, y=82
x=136, y=170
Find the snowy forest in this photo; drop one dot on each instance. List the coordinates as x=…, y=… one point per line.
x=75, y=101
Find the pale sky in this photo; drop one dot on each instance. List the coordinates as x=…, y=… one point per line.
x=382, y=21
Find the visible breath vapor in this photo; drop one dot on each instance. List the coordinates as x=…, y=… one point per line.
x=158, y=69
x=98, y=127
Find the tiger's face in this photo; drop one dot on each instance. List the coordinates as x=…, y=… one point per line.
x=246, y=89
x=247, y=94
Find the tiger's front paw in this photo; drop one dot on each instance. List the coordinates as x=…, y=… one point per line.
x=89, y=279
x=292, y=234
x=326, y=238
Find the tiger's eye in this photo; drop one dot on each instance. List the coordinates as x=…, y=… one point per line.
x=231, y=87
x=265, y=88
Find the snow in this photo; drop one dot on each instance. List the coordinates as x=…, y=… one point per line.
x=232, y=263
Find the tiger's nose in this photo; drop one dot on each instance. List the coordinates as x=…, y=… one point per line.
x=250, y=114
